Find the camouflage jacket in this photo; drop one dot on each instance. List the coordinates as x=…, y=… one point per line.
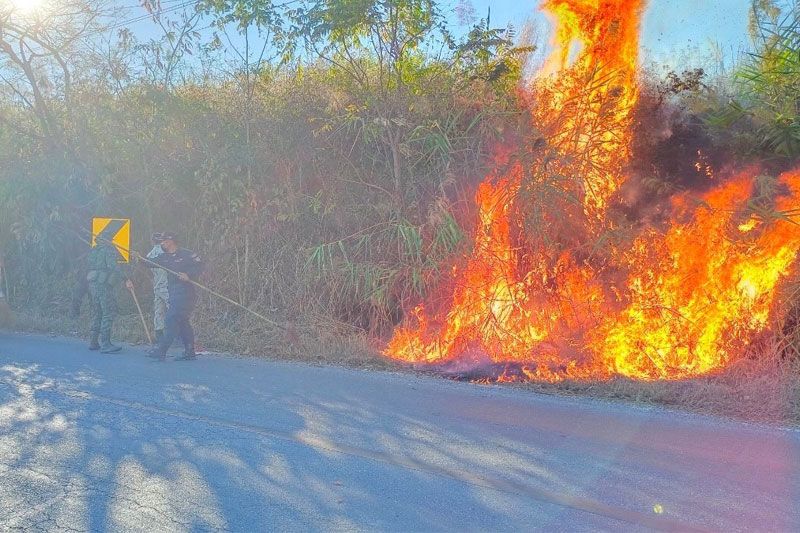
x=159, y=274
x=103, y=265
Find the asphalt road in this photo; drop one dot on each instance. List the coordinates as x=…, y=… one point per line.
x=118, y=442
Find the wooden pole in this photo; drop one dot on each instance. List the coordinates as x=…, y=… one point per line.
x=141, y=315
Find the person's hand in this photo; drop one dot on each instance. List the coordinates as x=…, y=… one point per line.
x=129, y=284
x=183, y=276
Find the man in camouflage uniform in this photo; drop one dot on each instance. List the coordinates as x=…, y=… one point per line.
x=103, y=273
x=160, y=289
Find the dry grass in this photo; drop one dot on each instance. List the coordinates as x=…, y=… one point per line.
x=127, y=328
x=316, y=342
x=762, y=388
x=6, y=315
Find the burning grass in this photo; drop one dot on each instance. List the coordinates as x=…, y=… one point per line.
x=762, y=388
x=585, y=293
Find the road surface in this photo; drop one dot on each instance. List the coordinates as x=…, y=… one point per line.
x=119, y=442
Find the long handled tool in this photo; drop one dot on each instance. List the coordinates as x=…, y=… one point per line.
x=286, y=327
x=141, y=315
x=6, y=316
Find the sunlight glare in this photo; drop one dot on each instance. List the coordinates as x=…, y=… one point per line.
x=25, y=7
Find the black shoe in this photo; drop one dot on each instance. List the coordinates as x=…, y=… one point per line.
x=155, y=353
x=94, y=346
x=187, y=357
x=110, y=348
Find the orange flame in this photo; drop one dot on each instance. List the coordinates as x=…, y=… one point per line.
x=591, y=98
x=698, y=293
x=691, y=296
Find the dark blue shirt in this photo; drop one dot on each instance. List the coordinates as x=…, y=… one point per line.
x=182, y=260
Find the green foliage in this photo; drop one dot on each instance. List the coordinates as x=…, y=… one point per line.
x=382, y=267
x=490, y=54
x=363, y=148
x=768, y=85
x=263, y=14
x=394, y=30
x=327, y=168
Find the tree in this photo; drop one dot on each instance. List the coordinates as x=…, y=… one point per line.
x=40, y=54
x=257, y=33
x=180, y=36
x=37, y=53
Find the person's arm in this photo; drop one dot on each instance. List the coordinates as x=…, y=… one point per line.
x=157, y=262
x=193, y=267
x=155, y=252
x=117, y=269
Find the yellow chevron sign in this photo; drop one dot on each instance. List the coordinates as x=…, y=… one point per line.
x=120, y=228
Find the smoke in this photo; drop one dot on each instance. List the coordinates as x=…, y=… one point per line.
x=672, y=149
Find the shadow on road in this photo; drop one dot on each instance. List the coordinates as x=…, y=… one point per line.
x=119, y=443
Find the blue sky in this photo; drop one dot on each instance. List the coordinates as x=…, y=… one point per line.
x=670, y=27
x=679, y=33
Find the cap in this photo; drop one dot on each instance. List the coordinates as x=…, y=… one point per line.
x=157, y=237
x=168, y=236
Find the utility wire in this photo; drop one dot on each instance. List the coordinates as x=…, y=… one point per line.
x=146, y=16
x=170, y=9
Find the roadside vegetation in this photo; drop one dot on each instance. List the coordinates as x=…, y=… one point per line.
x=322, y=156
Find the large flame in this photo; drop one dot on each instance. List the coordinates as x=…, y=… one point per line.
x=697, y=293
x=589, y=86
x=671, y=304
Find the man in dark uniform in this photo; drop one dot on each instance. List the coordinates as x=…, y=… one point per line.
x=103, y=273
x=183, y=267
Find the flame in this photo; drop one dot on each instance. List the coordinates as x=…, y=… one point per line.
x=698, y=293
x=591, y=98
x=672, y=303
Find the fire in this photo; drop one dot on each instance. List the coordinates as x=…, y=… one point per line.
x=697, y=293
x=669, y=303
x=591, y=98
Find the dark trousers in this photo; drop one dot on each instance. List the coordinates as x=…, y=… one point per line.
x=177, y=323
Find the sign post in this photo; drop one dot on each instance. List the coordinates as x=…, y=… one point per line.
x=120, y=228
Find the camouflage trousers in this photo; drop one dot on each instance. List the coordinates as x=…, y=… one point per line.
x=104, y=309
x=160, y=304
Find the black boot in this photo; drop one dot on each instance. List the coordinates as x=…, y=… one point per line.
x=93, y=343
x=110, y=348
x=157, y=353
x=107, y=347
x=188, y=353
